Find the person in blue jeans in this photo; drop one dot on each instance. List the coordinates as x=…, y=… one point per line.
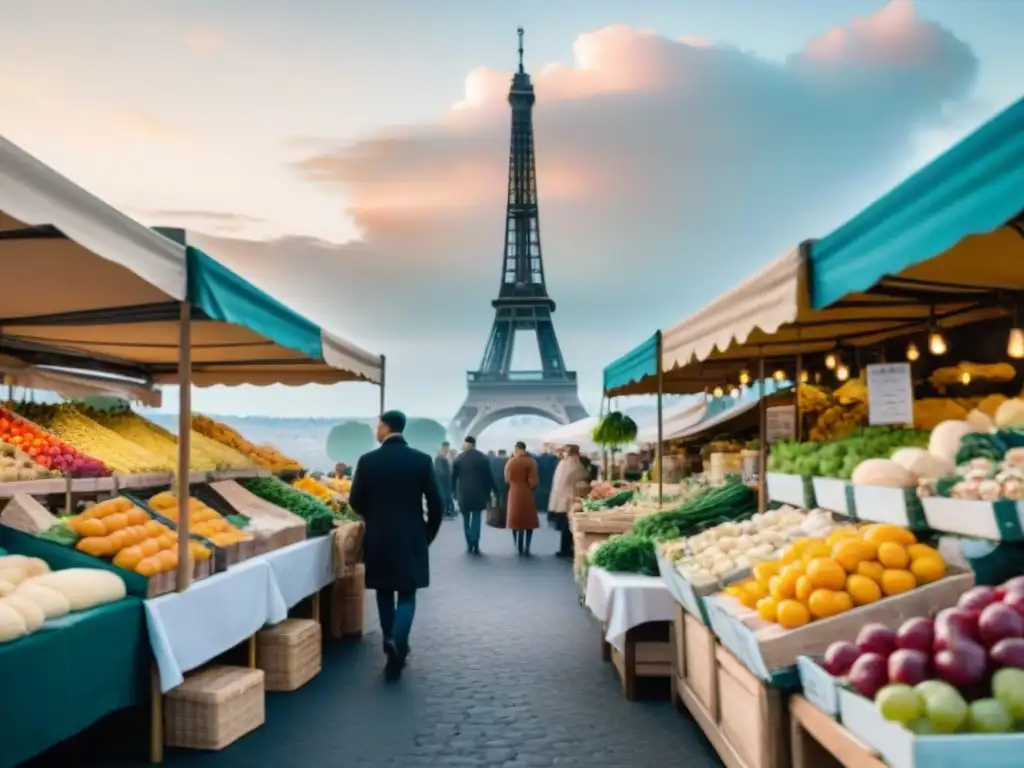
x=473, y=485
x=388, y=492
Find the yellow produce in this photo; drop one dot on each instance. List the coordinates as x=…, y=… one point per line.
x=879, y=532
x=893, y=555
x=872, y=569
x=896, y=581
x=97, y=441
x=261, y=455
x=768, y=608
x=792, y=614
x=825, y=603
x=826, y=573
x=862, y=589
x=202, y=520
x=315, y=488
x=804, y=588
x=928, y=569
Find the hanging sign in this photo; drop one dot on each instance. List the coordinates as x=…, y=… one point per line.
x=780, y=423
x=890, y=394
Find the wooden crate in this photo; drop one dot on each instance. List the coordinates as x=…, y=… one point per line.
x=289, y=653
x=700, y=669
x=818, y=741
x=754, y=718
x=347, y=606
x=215, y=707
x=647, y=654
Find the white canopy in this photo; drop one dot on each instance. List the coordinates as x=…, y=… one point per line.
x=674, y=420
x=74, y=384
x=577, y=433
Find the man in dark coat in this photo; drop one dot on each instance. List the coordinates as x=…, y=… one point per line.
x=443, y=473
x=547, y=462
x=472, y=484
x=388, y=492
x=498, y=467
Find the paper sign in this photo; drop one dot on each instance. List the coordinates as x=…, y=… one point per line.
x=780, y=423
x=890, y=394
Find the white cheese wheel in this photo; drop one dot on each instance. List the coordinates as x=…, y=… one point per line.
x=12, y=626
x=13, y=575
x=52, y=603
x=31, y=613
x=85, y=588
x=32, y=566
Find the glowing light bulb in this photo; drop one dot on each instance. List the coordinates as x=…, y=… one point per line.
x=1015, y=344
x=718, y=392
x=831, y=362
x=842, y=373
x=937, y=344
x=734, y=393
x=804, y=377
x=817, y=377
x=779, y=375
x=965, y=378
x=913, y=353
x=744, y=378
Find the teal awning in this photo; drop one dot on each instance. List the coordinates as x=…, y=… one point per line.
x=974, y=188
x=637, y=364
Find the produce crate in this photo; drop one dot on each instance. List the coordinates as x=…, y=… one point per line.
x=834, y=495
x=898, y=506
x=754, y=719
x=590, y=528
x=900, y=748
x=647, y=654
x=683, y=590
x=820, y=688
x=289, y=653
x=348, y=546
x=347, y=605
x=215, y=707
x=816, y=740
x=1001, y=520
x=699, y=651
x=230, y=498
x=768, y=650
x=794, y=490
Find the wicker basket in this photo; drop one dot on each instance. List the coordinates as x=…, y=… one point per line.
x=215, y=707
x=290, y=653
x=347, y=604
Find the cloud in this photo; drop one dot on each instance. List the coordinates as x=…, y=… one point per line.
x=667, y=169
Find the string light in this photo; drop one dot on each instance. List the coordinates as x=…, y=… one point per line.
x=744, y=378
x=734, y=393
x=831, y=361
x=817, y=377
x=913, y=353
x=965, y=378
x=937, y=343
x=804, y=377
x=1015, y=344
x=779, y=375
x=842, y=372
x=718, y=392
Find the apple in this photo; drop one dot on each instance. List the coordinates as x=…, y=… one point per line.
x=876, y=638
x=999, y=621
x=1008, y=687
x=869, y=675
x=1015, y=599
x=1008, y=652
x=908, y=666
x=976, y=598
x=962, y=663
x=954, y=621
x=839, y=657
x=1016, y=584
x=917, y=635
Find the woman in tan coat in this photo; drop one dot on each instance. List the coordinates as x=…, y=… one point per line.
x=522, y=477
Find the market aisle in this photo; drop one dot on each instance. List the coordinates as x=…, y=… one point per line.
x=505, y=672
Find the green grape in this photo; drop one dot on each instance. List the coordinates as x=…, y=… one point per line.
x=899, y=703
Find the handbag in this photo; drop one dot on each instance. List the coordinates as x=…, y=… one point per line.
x=496, y=514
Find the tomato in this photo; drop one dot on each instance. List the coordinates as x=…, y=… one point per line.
x=44, y=461
x=4, y=425
x=32, y=451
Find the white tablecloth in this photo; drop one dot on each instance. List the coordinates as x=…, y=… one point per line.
x=303, y=568
x=187, y=629
x=625, y=600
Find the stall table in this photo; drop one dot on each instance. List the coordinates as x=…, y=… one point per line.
x=303, y=569
x=818, y=741
x=68, y=675
x=635, y=612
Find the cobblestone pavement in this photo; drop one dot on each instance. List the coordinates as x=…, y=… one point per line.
x=505, y=672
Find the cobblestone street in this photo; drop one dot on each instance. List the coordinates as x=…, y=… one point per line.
x=505, y=671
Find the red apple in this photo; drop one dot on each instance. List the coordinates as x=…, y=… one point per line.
x=840, y=657
x=916, y=634
x=959, y=621
x=869, y=675
x=1015, y=599
x=877, y=638
x=997, y=622
x=1008, y=653
x=963, y=663
x=976, y=598
x=909, y=667
x=1016, y=584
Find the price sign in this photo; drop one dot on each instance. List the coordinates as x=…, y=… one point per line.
x=890, y=394
x=780, y=422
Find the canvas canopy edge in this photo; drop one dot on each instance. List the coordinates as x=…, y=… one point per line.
x=638, y=364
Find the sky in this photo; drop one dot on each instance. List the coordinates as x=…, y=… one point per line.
x=350, y=157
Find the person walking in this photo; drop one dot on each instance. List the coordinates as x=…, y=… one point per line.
x=472, y=483
x=388, y=492
x=521, y=476
x=547, y=462
x=570, y=471
x=443, y=473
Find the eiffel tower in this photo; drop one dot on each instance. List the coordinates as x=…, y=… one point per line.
x=495, y=391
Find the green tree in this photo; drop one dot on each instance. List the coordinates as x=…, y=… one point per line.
x=425, y=434
x=347, y=442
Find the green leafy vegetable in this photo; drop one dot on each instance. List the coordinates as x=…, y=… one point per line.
x=628, y=553
x=318, y=516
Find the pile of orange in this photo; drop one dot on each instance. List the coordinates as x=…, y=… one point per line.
x=819, y=578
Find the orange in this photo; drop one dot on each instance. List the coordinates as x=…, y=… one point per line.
x=849, y=553
x=893, y=555
x=841, y=534
x=896, y=581
x=928, y=569
x=751, y=593
x=785, y=587
x=880, y=532
x=825, y=603
x=817, y=548
x=922, y=550
x=804, y=587
x=862, y=589
x=794, y=551
x=826, y=573
x=768, y=609
x=792, y=614
x=872, y=569
x=763, y=572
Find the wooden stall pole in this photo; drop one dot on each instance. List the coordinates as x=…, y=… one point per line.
x=762, y=455
x=156, y=716
x=252, y=652
x=315, y=606
x=659, y=453
x=799, y=431
x=383, y=380
x=184, y=441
